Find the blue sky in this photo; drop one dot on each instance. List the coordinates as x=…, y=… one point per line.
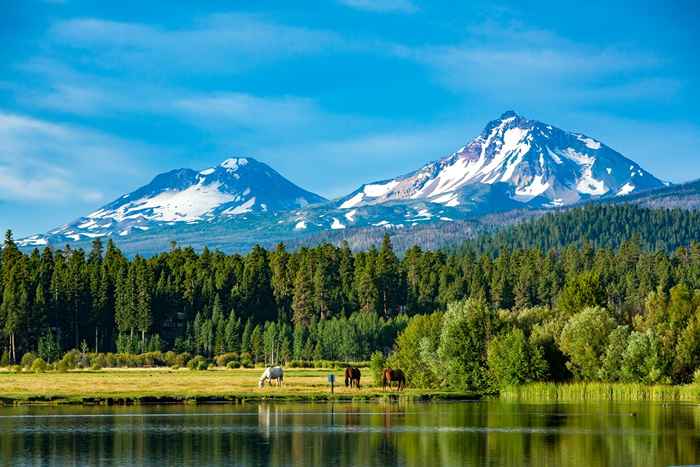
x=98, y=97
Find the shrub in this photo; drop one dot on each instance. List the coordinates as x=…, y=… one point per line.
x=584, y=340
x=513, y=360
x=28, y=359
x=71, y=359
x=233, y=364
x=99, y=360
x=5, y=359
x=416, y=347
x=196, y=362
x=183, y=358
x=246, y=360
x=376, y=367
x=696, y=376
x=16, y=368
x=96, y=367
x=462, y=349
x=201, y=366
x=170, y=358
x=38, y=365
x=61, y=366
x=223, y=359
x=48, y=346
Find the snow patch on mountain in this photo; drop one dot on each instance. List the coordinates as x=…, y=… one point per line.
x=536, y=162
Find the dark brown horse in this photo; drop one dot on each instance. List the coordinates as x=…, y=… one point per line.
x=352, y=377
x=391, y=375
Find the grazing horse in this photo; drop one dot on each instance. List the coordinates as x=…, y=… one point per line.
x=394, y=375
x=352, y=377
x=270, y=373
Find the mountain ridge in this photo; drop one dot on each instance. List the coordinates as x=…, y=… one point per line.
x=514, y=164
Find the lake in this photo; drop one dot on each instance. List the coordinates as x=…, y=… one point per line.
x=337, y=434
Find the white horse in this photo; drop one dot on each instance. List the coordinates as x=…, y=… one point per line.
x=270, y=373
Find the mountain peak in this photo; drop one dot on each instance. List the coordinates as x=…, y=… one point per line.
x=509, y=114
x=233, y=163
x=524, y=161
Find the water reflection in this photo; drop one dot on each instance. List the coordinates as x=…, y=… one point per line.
x=483, y=433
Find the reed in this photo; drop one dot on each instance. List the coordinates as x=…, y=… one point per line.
x=574, y=392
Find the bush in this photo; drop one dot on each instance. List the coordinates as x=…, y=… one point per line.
x=99, y=360
x=170, y=358
x=5, y=359
x=38, y=365
x=96, y=367
x=183, y=358
x=584, y=340
x=512, y=360
x=233, y=364
x=696, y=376
x=416, y=347
x=60, y=366
x=377, y=364
x=246, y=360
x=28, y=359
x=48, y=347
x=197, y=362
x=223, y=359
x=71, y=359
x=202, y=366
x=16, y=368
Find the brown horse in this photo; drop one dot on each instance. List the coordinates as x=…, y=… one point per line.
x=394, y=375
x=352, y=377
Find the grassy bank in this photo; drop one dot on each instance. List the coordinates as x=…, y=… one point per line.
x=161, y=385
x=575, y=392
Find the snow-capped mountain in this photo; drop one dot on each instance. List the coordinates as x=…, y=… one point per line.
x=515, y=163
x=235, y=188
x=534, y=163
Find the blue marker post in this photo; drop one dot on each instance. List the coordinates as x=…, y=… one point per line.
x=331, y=381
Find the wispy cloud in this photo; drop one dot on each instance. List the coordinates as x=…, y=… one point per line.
x=43, y=161
x=507, y=61
x=250, y=111
x=217, y=42
x=382, y=6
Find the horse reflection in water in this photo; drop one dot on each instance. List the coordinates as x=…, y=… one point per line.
x=270, y=373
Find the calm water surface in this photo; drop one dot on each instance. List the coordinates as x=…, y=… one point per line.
x=412, y=434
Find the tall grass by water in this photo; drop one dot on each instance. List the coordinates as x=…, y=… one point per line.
x=576, y=392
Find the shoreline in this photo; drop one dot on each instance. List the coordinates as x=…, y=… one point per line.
x=126, y=400
x=124, y=387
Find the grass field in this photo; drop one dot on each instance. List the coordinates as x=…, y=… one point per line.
x=166, y=385
x=599, y=391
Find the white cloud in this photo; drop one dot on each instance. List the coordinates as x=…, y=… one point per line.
x=249, y=111
x=43, y=161
x=382, y=6
x=218, y=42
x=513, y=64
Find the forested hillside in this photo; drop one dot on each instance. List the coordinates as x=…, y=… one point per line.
x=602, y=226
x=211, y=302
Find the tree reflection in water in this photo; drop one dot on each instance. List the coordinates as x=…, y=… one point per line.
x=343, y=434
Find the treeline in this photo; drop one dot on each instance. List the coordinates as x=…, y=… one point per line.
x=602, y=226
x=472, y=345
x=324, y=302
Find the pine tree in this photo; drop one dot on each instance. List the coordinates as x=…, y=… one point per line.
x=388, y=278
x=232, y=338
x=256, y=343
x=303, y=303
x=245, y=338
